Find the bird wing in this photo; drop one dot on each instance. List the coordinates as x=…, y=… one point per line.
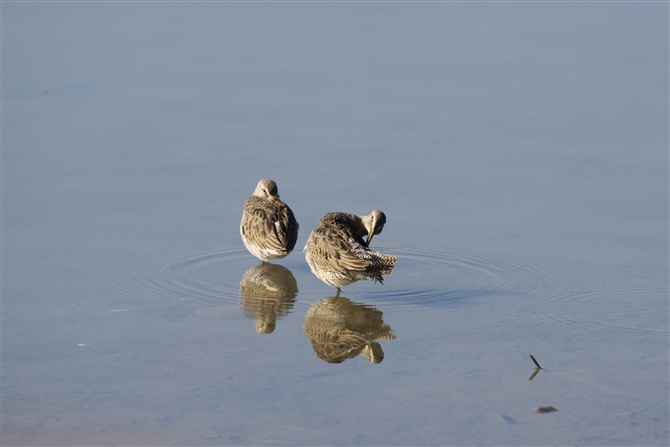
x=331, y=250
x=261, y=226
x=286, y=227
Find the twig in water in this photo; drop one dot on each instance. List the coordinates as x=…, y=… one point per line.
x=535, y=361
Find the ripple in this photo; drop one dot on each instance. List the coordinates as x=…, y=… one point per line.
x=526, y=292
x=196, y=275
x=444, y=278
x=639, y=312
x=520, y=291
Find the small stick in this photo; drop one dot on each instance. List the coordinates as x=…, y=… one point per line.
x=535, y=361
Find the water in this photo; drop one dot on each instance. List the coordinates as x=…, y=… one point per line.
x=519, y=151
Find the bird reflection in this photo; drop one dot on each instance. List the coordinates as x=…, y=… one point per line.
x=268, y=293
x=340, y=329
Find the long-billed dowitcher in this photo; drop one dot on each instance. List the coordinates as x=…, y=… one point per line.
x=338, y=255
x=269, y=229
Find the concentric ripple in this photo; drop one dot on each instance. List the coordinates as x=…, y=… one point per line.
x=443, y=278
x=530, y=293
x=640, y=312
x=195, y=275
x=525, y=292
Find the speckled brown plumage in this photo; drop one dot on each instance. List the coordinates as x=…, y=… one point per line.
x=338, y=255
x=268, y=228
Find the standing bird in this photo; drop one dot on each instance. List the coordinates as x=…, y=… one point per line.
x=269, y=229
x=338, y=255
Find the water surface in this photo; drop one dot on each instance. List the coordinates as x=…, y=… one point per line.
x=519, y=151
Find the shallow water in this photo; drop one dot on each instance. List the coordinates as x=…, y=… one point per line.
x=519, y=151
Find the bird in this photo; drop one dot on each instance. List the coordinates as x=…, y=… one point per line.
x=268, y=228
x=338, y=255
